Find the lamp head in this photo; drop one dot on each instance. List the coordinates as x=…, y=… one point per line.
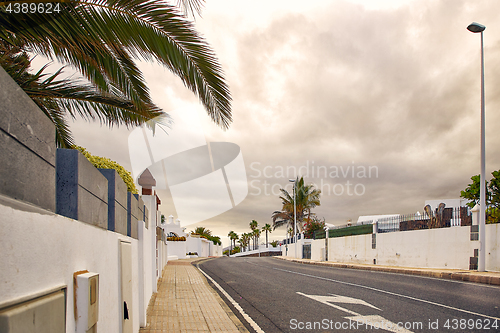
x=291, y=180
x=476, y=27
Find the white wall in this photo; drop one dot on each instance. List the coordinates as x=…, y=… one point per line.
x=177, y=249
x=215, y=250
x=317, y=249
x=262, y=248
x=147, y=237
x=432, y=248
x=41, y=251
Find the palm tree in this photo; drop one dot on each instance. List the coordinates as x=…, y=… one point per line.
x=267, y=228
x=306, y=199
x=102, y=39
x=245, y=238
x=202, y=231
x=230, y=235
x=233, y=237
x=256, y=235
x=254, y=225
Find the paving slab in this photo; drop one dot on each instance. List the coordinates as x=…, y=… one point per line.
x=185, y=302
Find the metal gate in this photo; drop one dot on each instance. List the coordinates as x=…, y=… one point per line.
x=306, y=251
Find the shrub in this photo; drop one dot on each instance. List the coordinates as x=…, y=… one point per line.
x=176, y=239
x=312, y=225
x=106, y=163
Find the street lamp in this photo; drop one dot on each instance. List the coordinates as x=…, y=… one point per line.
x=294, y=215
x=476, y=27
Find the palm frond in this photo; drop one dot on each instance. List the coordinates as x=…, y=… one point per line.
x=101, y=39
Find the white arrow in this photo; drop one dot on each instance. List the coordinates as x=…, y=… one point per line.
x=368, y=322
x=328, y=300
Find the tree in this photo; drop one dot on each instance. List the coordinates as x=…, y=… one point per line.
x=215, y=239
x=314, y=224
x=230, y=235
x=245, y=239
x=202, y=231
x=234, y=237
x=472, y=193
x=306, y=199
x=274, y=243
x=267, y=228
x=102, y=39
x=253, y=225
x=256, y=235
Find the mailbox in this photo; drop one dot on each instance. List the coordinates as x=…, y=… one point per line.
x=87, y=301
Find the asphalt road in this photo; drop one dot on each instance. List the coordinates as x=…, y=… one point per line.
x=281, y=296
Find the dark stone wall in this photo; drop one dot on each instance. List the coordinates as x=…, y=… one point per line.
x=117, y=201
x=27, y=148
x=82, y=191
x=133, y=214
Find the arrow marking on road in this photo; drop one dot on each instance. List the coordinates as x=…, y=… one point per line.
x=339, y=299
x=374, y=321
x=378, y=322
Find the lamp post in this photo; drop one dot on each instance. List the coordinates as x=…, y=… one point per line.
x=475, y=28
x=294, y=215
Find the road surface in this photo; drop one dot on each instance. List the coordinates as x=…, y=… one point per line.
x=281, y=296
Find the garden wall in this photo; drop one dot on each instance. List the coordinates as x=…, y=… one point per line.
x=432, y=248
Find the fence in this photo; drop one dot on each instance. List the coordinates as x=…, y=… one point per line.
x=454, y=216
x=451, y=217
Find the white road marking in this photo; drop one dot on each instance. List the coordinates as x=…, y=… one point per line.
x=389, y=293
x=233, y=302
x=375, y=321
x=339, y=299
x=378, y=322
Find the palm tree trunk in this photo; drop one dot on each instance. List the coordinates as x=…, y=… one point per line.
x=266, y=240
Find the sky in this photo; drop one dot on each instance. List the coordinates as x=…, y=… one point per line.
x=377, y=103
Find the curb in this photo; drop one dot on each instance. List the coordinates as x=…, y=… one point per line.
x=465, y=276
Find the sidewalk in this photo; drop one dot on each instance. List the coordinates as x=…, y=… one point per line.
x=452, y=274
x=186, y=303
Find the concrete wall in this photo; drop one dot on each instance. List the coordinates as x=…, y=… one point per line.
x=117, y=201
x=42, y=250
x=147, y=256
x=432, y=248
x=261, y=251
x=198, y=245
x=81, y=190
x=27, y=143
x=215, y=250
x=318, y=249
x=133, y=214
x=177, y=249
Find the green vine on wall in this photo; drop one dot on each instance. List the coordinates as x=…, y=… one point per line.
x=106, y=163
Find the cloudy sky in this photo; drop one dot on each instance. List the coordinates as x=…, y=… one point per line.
x=391, y=87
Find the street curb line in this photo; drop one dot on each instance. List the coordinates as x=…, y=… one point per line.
x=458, y=276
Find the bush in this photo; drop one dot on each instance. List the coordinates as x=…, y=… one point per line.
x=313, y=225
x=176, y=239
x=106, y=163
x=236, y=249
